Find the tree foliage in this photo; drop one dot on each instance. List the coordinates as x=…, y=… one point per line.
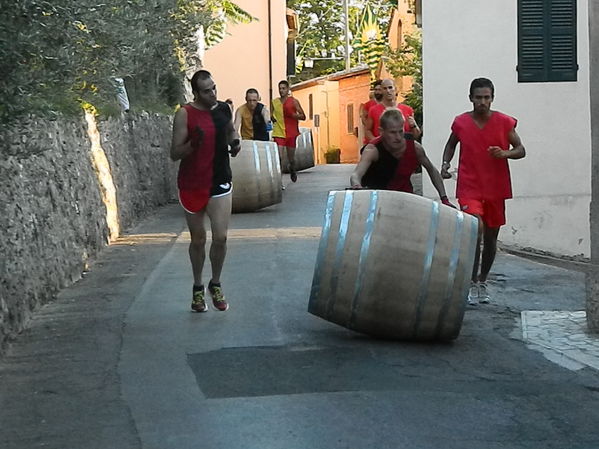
x=322, y=32
x=59, y=54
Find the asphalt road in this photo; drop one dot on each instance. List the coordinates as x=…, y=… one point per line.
x=119, y=361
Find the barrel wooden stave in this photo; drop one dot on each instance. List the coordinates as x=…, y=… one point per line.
x=382, y=271
x=304, y=152
x=256, y=176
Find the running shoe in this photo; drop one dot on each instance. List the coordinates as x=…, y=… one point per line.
x=483, y=294
x=218, y=298
x=293, y=176
x=198, y=301
x=473, y=294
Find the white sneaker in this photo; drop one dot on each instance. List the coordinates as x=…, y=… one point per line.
x=473, y=294
x=483, y=294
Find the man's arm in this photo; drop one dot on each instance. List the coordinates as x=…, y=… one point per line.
x=433, y=173
x=414, y=128
x=363, y=114
x=237, y=121
x=299, y=112
x=516, y=152
x=181, y=144
x=233, y=138
x=265, y=115
x=368, y=128
x=448, y=153
x=369, y=155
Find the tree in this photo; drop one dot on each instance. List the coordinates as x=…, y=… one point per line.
x=60, y=54
x=321, y=35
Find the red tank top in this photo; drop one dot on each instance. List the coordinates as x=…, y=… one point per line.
x=195, y=171
x=481, y=176
x=291, y=123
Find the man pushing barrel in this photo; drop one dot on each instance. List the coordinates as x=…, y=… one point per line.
x=388, y=162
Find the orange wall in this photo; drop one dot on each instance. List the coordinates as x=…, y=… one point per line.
x=240, y=61
x=352, y=91
x=325, y=101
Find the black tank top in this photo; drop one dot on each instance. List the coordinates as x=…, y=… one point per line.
x=258, y=124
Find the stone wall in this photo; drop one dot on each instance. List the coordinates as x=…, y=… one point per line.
x=53, y=208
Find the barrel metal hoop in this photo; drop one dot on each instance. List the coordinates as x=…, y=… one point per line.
x=324, y=243
x=343, y=227
x=271, y=176
x=453, y=265
x=257, y=177
x=426, y=267
x=364, y=250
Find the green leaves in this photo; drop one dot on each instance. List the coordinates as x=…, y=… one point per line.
x=57, y=54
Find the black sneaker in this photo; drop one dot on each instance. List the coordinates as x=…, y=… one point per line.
x=293, y=176
x=198, y=301
x=218, y=298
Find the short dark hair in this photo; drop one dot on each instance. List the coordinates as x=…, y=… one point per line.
x=284, y=82
x=390, y=115
x=376, y=83
x=251, y=90
x=199, y=75
x=482, y=82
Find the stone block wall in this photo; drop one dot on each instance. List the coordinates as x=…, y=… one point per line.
x=52, y=215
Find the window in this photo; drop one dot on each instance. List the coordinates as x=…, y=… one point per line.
x=310, y=107
x=547, y=40
x=350, y=118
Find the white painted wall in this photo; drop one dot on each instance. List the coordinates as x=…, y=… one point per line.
x=465, y=39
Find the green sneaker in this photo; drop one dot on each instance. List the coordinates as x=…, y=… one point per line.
x=198, y=301
x=218, y=298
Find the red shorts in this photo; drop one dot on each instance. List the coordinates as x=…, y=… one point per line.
x=288, y=142
x=193, y=201
x=492, y=212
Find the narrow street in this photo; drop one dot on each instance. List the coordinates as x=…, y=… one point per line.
x=119, y=361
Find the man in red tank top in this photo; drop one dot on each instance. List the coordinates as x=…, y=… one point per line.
x=487, y=140
x=388, y=162
x=376, y=98
x=202, y=135
x=389, y=100
x=286, y=114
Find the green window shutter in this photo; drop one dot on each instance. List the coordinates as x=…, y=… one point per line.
x=547, y=40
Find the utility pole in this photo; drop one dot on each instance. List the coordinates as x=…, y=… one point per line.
x=346, y=17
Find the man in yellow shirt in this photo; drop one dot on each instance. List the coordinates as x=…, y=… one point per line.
x=253, y=118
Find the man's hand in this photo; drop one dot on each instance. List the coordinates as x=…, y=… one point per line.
x=235, y=147
x=497, y=152
x=197, y=137
x=445, y=200
x=445, y=170
x=411, y=122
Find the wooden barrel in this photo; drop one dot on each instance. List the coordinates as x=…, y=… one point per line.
x=304, y=152
x=256, y=176
x=393, y=265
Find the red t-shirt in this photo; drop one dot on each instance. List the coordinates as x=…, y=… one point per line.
x=377, y=110
x=481, y=176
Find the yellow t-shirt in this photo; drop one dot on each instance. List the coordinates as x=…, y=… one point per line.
x=278, y=126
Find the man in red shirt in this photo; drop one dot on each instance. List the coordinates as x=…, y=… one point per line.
x=487, y=140
x=389, y=100
x=376, y=97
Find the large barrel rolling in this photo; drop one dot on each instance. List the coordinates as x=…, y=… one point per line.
x=256, y=176
x=393, y=265
x=304, y=152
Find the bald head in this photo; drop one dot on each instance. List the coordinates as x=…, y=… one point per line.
x=389, y=93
